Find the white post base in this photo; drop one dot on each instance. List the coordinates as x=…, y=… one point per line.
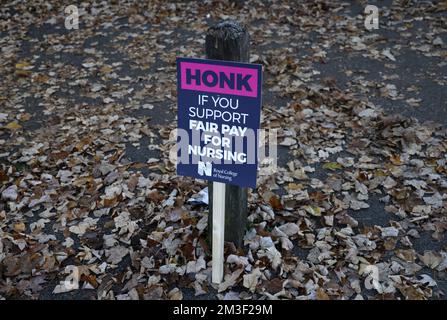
x=218, y=231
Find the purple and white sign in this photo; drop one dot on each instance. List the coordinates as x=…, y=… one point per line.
x=219, y=108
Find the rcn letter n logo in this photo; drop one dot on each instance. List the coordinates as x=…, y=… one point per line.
x=204, y=168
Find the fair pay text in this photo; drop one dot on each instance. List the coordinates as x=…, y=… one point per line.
x=218, y=119
x=214, y=113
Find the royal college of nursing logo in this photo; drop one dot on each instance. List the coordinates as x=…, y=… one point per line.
x=204, y=168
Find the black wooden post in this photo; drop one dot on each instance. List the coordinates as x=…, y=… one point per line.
x=228, y=40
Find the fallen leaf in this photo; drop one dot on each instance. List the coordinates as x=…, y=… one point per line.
x=13, y=126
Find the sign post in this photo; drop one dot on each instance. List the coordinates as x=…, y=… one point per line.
x=218, y=231
x=230, y=41
x=219, y=107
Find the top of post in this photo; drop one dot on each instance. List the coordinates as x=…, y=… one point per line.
x=228, y=29
x=228, y=40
